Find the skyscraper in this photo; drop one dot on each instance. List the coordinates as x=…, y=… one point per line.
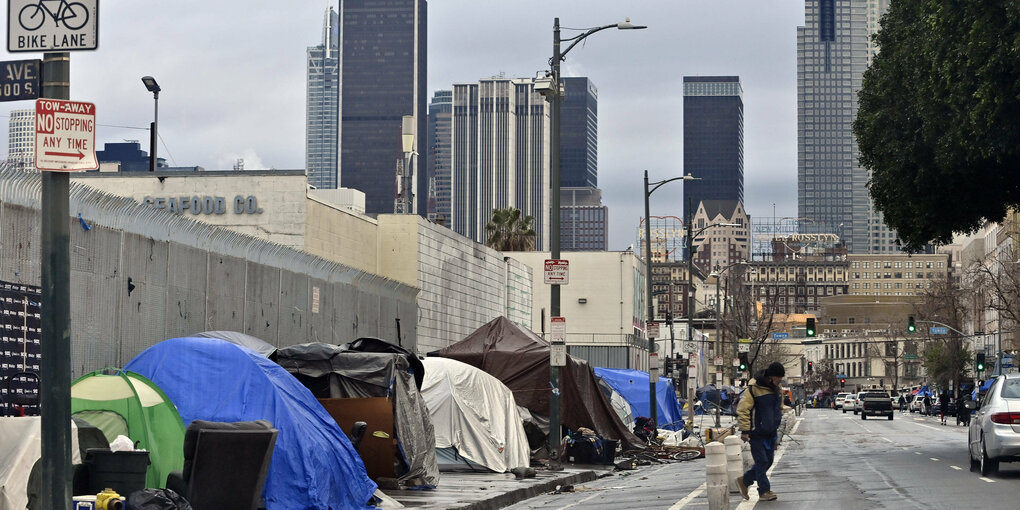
x=833, y=50
x=440, y=114
x=21, y=139
x=579, y=134
x=321, y=97
x=499, y=155
x=584, y=221
x=382, y=79
x=713, y=140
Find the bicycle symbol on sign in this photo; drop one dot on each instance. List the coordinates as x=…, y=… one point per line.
x=73, y=15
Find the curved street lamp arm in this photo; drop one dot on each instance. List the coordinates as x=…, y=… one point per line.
x=579, y=38
x=660, y=183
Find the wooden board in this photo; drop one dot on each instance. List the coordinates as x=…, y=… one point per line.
x=378, y=453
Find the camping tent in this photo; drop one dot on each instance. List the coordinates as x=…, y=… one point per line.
x=474, y=416
x=330, y=371
x=633, y=385
x=314, y=465
x=126, y=403
x=520, y=359
x=256, y=344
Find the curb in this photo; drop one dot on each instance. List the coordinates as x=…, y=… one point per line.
x=518, y=495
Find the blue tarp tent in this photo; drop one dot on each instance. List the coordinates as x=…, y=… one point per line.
x=633, y=386
x=314, y=465
x=987, y=384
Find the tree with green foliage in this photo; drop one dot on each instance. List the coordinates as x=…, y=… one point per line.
x=510, y=230
x=938, y=123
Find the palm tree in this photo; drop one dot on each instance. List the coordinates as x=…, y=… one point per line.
x=510, y=230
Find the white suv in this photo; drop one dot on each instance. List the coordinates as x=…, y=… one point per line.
x=837, y=403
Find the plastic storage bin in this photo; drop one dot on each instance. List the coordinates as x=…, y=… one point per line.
x=123, y=472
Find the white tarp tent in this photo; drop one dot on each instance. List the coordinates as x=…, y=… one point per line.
x=474, y=416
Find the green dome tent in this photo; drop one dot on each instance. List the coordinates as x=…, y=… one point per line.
x=126, y=403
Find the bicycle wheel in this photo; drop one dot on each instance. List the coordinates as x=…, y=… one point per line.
x=32, y=17
x=75, y=15
x=686, y=455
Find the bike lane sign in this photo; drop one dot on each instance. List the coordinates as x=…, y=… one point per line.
x=52, y=25
x=65, y=135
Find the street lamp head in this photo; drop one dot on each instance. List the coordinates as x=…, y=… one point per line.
x=690, y=177
x=627, y=25
x=150, y=84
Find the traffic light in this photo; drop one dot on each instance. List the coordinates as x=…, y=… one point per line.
x=979, y=362
x=842, y=382
x=911, y=327
x=810, y=366
x=743, y=361
x=810, y=329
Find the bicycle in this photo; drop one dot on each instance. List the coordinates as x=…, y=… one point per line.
x=73, y=15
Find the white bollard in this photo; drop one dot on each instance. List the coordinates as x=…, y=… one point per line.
x=734, y=462
x=715, y=476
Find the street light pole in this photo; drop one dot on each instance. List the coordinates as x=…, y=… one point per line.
x=653, y=411
x=553, y=95
x=152, y=86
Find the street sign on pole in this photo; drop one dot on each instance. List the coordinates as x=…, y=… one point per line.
x=558, y=335
x=38, y=26
x=19, y=80
x=557, y=271
x=653, y=330
x=780, y=335
x=938, y=330
x=65, y=135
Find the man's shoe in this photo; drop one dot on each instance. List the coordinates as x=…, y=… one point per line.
x=743, y=487
x=768, y=496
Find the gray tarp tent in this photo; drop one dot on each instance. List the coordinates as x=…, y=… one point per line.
x=330, y=371
x=258, y=345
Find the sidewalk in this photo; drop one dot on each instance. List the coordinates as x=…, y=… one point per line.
x=481, y=491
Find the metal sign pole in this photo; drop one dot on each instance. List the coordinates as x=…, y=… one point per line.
x=55, y=377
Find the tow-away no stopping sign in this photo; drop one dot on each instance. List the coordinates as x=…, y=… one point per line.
x=65, y=135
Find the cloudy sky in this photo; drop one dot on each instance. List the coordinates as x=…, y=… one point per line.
x=233, y=80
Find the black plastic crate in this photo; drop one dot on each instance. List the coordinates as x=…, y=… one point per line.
x=123, y=472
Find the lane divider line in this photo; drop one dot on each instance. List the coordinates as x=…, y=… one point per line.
x=690, y=497
x=958, y=468
x=933, y=458
x=989, y=480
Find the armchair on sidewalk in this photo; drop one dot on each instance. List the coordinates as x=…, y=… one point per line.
x=225, y=464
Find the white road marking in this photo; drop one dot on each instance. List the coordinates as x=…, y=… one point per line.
x=933, y=458
x=886, y=439
x=688, y=498
x=917, y=453
x=928, y=427
x=579, y=502
x=958, y=468
x=989, y=480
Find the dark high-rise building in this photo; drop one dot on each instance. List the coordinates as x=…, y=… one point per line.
x=321, y=95
x=382, y=79
x=439, y=140
x=583, y=220
x=713, y=139
x=579, y=134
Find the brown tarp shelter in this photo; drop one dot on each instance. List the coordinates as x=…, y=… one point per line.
x=520, y=359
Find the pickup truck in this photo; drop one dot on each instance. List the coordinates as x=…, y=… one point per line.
x=876, y=403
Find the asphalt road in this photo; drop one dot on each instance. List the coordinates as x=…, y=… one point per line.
x=830, y=461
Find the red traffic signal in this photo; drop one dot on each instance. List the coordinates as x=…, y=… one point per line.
x=810, y=366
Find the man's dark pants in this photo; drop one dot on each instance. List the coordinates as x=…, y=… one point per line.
x=763, y=452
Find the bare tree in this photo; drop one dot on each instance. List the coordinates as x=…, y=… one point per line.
x=945, y=358
x=997, y=283
x=822, y=377
x=746, y=317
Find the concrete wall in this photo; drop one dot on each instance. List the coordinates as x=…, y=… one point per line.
x=272, y=202
x=140, y=275
x=341, y=236
x=463, y=284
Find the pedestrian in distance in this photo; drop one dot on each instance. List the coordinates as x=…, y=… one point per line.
x=903, y=403
x=927, y=405
x=759, y=414
x=943, y=406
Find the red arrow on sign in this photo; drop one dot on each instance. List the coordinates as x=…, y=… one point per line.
x=79, y=155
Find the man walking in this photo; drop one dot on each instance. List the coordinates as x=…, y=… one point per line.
x=758, y=415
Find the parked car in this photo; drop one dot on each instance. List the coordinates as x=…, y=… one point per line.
x=994, y=432
x=837, y=402
x=916, y=404
x=857, y=403
x=848, y=402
